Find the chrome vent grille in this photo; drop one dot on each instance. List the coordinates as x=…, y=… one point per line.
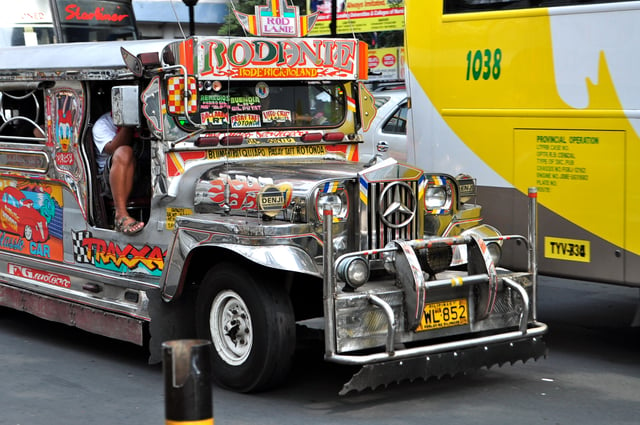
x=393, y=213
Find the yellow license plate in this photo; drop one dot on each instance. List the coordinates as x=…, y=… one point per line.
x=444, y=314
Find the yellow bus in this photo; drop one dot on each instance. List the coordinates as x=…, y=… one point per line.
x=542, y=93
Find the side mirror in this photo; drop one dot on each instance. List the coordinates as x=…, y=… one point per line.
x=367, y=106
x=125, y=106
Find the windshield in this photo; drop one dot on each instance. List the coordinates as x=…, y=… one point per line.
x=264, y=105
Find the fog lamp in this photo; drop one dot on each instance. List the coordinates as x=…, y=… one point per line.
x=354, y=271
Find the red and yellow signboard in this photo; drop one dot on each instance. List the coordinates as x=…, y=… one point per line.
x=386, y=63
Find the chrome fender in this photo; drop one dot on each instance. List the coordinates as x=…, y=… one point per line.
x=187, y=242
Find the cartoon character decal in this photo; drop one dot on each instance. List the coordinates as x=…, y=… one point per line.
x=65, y=107
x=64, y=128
x=66, y=115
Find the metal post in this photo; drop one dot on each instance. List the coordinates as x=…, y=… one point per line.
x=329, y=285
x=533, y=246
x=333, y=24
x=192, y=22
x=187, y=382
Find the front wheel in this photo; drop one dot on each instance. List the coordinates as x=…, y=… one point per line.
x=251, y=325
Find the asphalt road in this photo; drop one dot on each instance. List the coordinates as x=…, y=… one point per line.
x=53, y=375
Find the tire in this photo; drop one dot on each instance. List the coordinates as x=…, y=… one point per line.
x=251, y=326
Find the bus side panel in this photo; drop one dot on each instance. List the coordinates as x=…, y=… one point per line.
x=608, y=262
x=544, y=97
x=580, y=176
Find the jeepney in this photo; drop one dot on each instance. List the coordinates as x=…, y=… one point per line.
x=260, y=219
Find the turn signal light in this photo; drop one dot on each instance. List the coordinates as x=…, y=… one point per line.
x=207, y=141
x=231, y=140
x=311, y=137
x=334, y=137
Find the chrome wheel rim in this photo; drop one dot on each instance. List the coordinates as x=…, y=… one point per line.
x=231, y=329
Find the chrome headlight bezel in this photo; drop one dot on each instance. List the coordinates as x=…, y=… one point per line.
x=439, y=195
x=435, y=197
x=336, y=200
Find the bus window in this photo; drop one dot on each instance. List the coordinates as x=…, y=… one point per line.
x=26, y=23
x=463, y=6
x=26, y=36
x=32, y=23
x=86, y=20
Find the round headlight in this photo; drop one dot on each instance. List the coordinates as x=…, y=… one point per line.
x=354, y=271
x=334, y=201
x=435, y=197
x=330, y=201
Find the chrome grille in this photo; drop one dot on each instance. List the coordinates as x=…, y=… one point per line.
x=389, y=218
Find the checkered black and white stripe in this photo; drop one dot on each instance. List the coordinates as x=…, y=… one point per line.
x=80, y=253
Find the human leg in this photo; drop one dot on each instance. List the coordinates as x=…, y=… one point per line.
x=121, y=181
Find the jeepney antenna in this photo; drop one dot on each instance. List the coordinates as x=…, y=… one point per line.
x=177, y=19
x=353, y=32
x=233, y=6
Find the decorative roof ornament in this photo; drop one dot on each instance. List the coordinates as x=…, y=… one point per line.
x=277, y=19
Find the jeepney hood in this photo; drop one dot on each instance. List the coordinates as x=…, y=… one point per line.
x=238, y=186
x=304, y=175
